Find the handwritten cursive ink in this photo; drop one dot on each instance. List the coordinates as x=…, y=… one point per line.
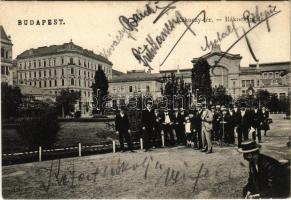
x=245, y=34
x=131, y=23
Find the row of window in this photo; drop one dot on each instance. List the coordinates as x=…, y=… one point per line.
x=131, y=88
x=270, y=75
x=280, y=95
x=54, y=83
x=4, y=53
x=85, y=93
x=58, y=61
x=248, y=83
x=5, y=70
x=49, y=73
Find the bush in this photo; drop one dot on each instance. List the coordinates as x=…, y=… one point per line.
x=77, y=114
x=41, y=129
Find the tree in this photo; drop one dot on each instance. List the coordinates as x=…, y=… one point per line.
x=263, y=97
x=38, y=125
x=220, y=97
x=201, y=81
x=66, y=101
x=274, y=103
x=11, y=99
x=100, y=91
x=176, y=91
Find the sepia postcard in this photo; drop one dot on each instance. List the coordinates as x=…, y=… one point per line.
x=145, y=99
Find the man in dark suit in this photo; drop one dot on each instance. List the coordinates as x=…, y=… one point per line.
x=181, y=120
x=243, y=118
x=148, y=120
x=175, y=125
x=122, y=128
x=157, y=129
x=167, y=122
x=257, y=119
x=268, y=178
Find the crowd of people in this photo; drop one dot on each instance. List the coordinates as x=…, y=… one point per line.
x=200, y=127
x=196, y=128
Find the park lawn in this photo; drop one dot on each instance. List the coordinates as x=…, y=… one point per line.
x=69, y=135
x=86, y=133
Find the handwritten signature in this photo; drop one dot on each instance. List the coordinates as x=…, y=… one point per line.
x=61, y=175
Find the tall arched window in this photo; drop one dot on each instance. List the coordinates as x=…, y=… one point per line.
x=72, y=81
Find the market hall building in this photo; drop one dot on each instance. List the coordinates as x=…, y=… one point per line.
x=273, y=77
x=56, y=67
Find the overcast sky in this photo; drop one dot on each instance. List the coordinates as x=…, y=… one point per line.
x=94, y=25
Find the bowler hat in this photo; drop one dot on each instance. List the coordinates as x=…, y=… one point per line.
x=249, y=146
x=198, y=105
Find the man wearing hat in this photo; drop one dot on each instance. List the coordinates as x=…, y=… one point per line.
x=167, y=121
x=207, y=119
x=175, y=125
x=243, y=123
x=197, y=125
x=157, y=129
x=122, y=127
x=268, y=178
x=181, y=121
x=216, y=118
x=224, y=126
x=148, y=120
x=257, y=119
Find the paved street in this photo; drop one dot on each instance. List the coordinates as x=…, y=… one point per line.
x=162, y=173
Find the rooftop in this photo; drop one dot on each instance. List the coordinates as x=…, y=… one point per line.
x=136, y=76
x=60, y=49
x=4, y=36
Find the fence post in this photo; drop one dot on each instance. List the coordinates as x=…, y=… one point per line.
x=113, y=146
x=39, y=153
x=163, y=140
x=141, y=144
x=80, y=150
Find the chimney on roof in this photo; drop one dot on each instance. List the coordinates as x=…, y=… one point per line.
x=178, y=69
x=258, y=65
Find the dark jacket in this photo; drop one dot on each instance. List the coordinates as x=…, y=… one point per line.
x=148, y=118
x=271, y=180
x=197, y=121
x=257, y=118
x=244, y=121
x=121, y=123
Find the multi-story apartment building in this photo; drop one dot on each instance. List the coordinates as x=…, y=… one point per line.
x=6, y=57
x=58, y=67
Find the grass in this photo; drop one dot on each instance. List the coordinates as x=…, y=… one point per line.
x=70, y=134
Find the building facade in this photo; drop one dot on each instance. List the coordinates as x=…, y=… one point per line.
x=273, y=77
x=66, y=66
x=6, y=58
x=124, y=86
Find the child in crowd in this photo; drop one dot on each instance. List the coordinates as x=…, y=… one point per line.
x=188, y=132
